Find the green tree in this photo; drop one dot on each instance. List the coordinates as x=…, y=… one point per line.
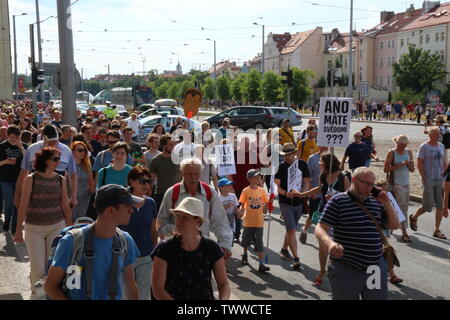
x=390, y=97
x=409, y=95
x=445, y=96
x=200, y=75
x=162, y=91
x=301, y=89
x=173, y=90
x=270, y=87
x=186, y=84
x=252, y=86
x=223, y=88
x=237, y=87
x=208, y=89
x=418, y=70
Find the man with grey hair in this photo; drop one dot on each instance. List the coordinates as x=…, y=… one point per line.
x=356, y=242
x=432, y=164
x=214, y=213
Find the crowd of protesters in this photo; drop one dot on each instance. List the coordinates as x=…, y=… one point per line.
x=160, y=212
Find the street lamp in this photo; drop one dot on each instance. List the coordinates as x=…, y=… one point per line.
x=263, y=40
x=16, y=94
x=350, y=52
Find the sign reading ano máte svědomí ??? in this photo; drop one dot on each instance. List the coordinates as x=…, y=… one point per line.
x=335, y=118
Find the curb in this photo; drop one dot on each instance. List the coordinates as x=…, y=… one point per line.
x=381, y=122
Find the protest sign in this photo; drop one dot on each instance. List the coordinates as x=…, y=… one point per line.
x=400, y=214
x=294, y=177
x=225, y=159
x=334, y=126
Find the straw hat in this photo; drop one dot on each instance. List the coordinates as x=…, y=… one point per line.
x=287, y=149
x=190, y=206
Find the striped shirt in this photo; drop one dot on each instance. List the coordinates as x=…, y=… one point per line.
x=354, y=230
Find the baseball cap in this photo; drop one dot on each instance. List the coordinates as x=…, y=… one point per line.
x=253, y=173
x=225, y=182
x=112, y=195
x=50, y=132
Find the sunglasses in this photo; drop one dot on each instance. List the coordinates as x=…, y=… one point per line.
x=112, y=142
x=81, y=150
x=56, y=159
x=144, y=181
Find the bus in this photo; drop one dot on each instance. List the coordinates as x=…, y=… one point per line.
x=128, y=97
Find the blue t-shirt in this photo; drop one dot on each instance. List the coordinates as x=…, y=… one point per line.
x=104, y=159
x=140, y=225
x=102, y=265
x=113, y=176
x=357, y=154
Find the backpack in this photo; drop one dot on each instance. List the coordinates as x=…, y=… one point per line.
x=80, y=246
x=176, y=194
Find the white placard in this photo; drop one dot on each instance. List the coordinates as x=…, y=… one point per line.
x=335, y=118
x=225, y=160
x=294, y=177
x=401, y=216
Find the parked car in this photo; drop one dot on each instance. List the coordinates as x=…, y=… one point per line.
x=123, y=113
x=281, y=113
x=161, y=110
x=83, y=107
x=245, y=117
x=148, y=123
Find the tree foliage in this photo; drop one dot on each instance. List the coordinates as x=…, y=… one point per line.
x=208, y=89
x=223, y=88
x=301, y=90
x=418, y=70
x=252, y=86
x=270, y=87
x=237, y=87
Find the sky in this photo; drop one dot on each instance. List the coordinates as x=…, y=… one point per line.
x=139, y=35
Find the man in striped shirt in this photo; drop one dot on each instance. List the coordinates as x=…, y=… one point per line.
x=355, y=242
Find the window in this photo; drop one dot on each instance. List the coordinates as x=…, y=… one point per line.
x=407, y=41
x=436, y=37
x=402, y=42
x=389, y=61
x=381, y=80
x=381, y=45
x=330, y=64
x=393, y=43
x=442, y=54
x=389, y=44
x=421, y=39
x=381, y=62
x=389, y=81
x=442, y=36
x=427, y=38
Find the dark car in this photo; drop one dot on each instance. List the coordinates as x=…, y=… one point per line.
x=245, y=117
x=281, y=113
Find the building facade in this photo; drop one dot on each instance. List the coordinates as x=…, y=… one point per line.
x=5, y=53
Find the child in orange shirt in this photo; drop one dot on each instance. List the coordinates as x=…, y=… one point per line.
x=254, y=201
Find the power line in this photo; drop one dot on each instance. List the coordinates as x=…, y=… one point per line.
x=338, y=7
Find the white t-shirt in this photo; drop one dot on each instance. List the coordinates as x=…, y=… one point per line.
x=134, y=124
x=230, y=199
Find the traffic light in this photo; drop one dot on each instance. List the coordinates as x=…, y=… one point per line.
x=37, y=76
x=288, y=79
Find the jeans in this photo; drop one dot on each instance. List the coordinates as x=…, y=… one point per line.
x=350, y=283
x=7, y=190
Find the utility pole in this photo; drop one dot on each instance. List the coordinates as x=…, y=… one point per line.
x=82, y=85
x=350, y=59
x=41, y=96
x=32, y=67
x=263, y=51
x=16, y=86
x=67, y=62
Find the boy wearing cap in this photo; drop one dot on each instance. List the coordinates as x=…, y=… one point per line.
x=254, y=199
x=114, y=208
x=229, y=201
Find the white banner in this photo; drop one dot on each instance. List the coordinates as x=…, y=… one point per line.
x=334, y=126
x=225, y=160
x=294, y=177
x=401, y=216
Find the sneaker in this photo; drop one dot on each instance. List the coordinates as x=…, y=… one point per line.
x=263, y=268
x=244, y=259
x=296, y=265
x=285, y=254
x=303, y=237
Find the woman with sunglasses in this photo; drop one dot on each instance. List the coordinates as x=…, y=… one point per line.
x=44, y=207
x=142, y=228
x=86, y=184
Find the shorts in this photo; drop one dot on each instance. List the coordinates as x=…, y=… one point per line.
x=432, y=194
x=291, y=215
x=247, y=238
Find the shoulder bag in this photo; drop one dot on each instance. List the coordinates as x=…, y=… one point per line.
x=388, y=251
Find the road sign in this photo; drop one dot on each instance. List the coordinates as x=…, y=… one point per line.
x=364, y=89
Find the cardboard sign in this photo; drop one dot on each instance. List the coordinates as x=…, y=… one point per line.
x=192, y=102
x=294, y=177
x=335, y=118
x=400, y=214
x=225, y=160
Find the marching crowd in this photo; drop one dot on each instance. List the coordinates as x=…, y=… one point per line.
x=103, y=217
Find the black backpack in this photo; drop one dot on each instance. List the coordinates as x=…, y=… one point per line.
x=446, y=140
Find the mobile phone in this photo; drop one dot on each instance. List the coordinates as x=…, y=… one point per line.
x=376, y=192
